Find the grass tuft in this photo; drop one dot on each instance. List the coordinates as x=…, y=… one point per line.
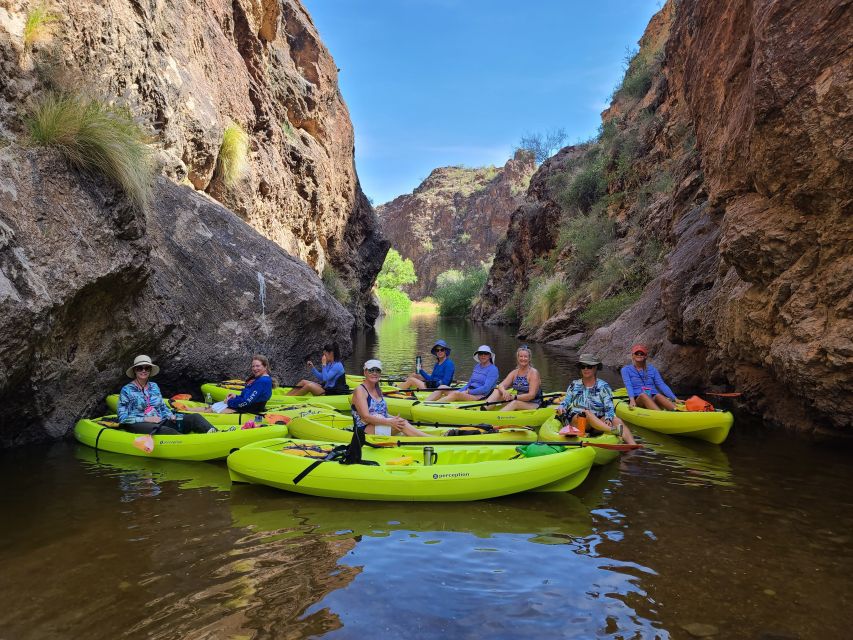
x=233, y=154
x=37, y=27
x=95, y=137
x=544, y=299
x=335, y=285
x=605, y=311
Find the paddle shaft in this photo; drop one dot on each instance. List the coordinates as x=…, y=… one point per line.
x=582, y=443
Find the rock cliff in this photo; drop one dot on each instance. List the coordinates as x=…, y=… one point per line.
x=188, y=70
x=721, y=181
x=455, y=217
x=88, y=280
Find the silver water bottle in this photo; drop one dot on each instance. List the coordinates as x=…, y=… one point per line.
x=417, y=363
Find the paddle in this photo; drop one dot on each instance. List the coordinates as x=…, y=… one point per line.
x=582, y=443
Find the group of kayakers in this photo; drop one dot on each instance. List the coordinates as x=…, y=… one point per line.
x=141, y=408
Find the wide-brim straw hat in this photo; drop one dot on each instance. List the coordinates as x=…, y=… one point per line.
x=138, y=361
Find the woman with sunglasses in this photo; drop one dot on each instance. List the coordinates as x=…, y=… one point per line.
x=333, y=380
x=593, y=399
x=524, y=379
x=644, y=383
x=140, y=406
x=370, y=411
x=442, y=372
x=483, y=379
x=254, y=396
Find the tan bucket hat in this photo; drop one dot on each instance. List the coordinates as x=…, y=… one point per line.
x=139, y=361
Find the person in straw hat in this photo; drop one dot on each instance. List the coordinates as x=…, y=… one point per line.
x=591, y=398
x=140, y=406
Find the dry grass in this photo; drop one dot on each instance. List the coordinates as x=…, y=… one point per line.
x=38, y=26
x=96, y=137
x=233, y=154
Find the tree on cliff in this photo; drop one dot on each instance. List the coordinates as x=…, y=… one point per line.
x=543, y=145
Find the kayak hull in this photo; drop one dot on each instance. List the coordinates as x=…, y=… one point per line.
x=710, y=426
x=307, y=428
x=190, y=446
x=448, y=414
x=459, y=473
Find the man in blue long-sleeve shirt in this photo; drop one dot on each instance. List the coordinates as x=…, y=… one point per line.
x=644, y=383
x=442, y=372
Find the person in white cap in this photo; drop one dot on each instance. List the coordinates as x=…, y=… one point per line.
x=370, y=411
x=483, y=379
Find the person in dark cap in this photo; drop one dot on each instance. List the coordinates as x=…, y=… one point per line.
x=442, y=372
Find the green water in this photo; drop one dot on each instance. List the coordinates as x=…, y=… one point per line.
x=750, y=539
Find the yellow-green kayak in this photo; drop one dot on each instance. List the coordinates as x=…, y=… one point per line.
x=327, y=430
x=550, y=432
x=711, y=426
x=450, y=414
x=458, y=473
x=104, y=434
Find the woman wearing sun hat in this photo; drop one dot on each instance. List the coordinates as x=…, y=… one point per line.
x=644, y=383
x=140, y=406
x=483, y=379
x=442, y=372
x=592, y=399
x=370, y=411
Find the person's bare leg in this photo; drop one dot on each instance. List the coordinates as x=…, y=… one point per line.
x=663, y=402
x=516, y=405
x=306, y=386
x=646, y=402
x=438, y=393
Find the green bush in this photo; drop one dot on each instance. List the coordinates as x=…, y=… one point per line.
x=612, y=270
x=456, y=294
x=638, y=77
x=587, y=235
x=95, y=137
x=37, y=25
x=544, y=298
x=233, y=154
x=335, y=285
x=393, y=301
x=586, y=188
x=605, y=311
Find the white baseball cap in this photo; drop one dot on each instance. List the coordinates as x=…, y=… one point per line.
x=373, y=364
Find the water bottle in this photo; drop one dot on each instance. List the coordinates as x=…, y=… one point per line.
x=417, y=364
x=179, y=422
x=208, y=398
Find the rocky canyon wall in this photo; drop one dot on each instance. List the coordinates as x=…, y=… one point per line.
x=455, y=217
x=207, y=274
x=740, y=176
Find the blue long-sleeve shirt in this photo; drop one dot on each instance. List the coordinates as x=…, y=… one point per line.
x=598, y=399
x=442, y=372
x=330, y=374
x=135, y=403
x=482, y=381
x=258, y=390
x=646, y=381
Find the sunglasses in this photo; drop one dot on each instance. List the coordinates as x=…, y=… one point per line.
x=639, y=353
x=143, y=367
x=441, y=349
x=586, y=366
x=374, y=370
x=483, y=353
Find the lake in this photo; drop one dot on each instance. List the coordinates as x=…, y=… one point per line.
x=683, y=539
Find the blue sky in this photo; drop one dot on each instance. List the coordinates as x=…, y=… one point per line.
x=431, y=83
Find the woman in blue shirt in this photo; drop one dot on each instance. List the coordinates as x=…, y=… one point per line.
x=442, y=372
x=483, y=379
x=331, y=375
x=141, y=408
x=644, y=383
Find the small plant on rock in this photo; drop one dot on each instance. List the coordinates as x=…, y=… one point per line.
x=96, y=137
x=37, y=27
x=233, y=154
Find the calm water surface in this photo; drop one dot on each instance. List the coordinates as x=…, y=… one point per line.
x=750, y=539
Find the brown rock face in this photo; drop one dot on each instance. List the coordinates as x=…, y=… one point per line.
x=454, y=219
x=756, y=290
x=87, y=283
x=191, y=68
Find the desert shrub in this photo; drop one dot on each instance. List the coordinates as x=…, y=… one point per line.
x=95, y=137
x=602, y=312
x=544, y=298
x=613, y=269
x=393, y=301
x=455, y=292
x=638, y=78
x=335, y=285
x=578, y=192
x=37, y=26
x=587, y=235
x=543, y=145
x=464, y=238
x=233, y=154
